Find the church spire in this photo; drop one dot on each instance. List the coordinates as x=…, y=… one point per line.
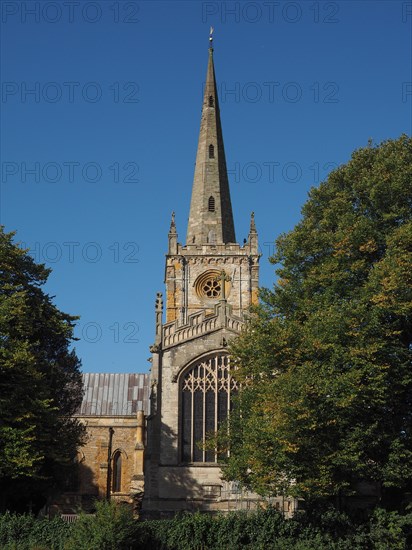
x=211, y=218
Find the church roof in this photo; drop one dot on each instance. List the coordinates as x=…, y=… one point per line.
x=114, y=394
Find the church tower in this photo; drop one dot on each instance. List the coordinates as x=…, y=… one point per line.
x=211, y=282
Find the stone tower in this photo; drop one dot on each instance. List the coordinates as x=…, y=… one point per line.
x=211, y=282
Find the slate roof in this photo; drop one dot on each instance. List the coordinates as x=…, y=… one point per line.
x=114, y=394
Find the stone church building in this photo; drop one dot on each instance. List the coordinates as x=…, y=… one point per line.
x=146, y=431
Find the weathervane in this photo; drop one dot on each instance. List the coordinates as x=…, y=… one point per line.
x=211, y=37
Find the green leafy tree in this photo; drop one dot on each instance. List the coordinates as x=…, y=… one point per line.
x=325, y=361
x=40, y=382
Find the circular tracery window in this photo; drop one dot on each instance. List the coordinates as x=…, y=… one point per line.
x=211, y=288
x=208, y=285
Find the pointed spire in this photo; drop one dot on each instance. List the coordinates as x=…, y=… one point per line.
x=211, y=218
x=159, y=316
x=252, y=223
x=253, y=236
x=172, y=236
x=172, y=224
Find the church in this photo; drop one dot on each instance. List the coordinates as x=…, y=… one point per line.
x=146, y=433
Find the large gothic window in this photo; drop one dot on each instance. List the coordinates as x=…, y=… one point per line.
x=205, y=392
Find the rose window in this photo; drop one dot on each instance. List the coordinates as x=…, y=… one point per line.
x=211, y=288
x=208, y=285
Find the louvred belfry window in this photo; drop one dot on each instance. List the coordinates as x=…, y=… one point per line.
x=207, y=389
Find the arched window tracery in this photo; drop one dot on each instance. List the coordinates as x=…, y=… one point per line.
x=206, y=391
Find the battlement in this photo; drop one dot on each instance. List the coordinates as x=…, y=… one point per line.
x=214, y=249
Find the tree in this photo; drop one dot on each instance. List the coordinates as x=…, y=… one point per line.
x=325, y=361
x=40, y=382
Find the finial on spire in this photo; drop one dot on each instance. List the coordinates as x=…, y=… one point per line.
x=211, y=38
x=252, y=223
x=172, y=224
x=159, y=302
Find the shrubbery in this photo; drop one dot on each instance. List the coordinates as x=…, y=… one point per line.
x=267, y=529
x=113, y=528
x=25, y=532
x=260, y=530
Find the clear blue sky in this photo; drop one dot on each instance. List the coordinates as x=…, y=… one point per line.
x=97, y=157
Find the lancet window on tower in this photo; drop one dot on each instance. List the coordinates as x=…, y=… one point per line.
x=211, y=237
x=211, y=204
x=206, y=392
x=211, y=101
x=211, y=151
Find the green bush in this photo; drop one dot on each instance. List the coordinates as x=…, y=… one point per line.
x=268, y=530
x=112, y=527
x=24, y=532
x=390, y=530
x=259, y=530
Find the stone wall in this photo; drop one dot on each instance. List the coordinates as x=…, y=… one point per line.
x=90, y=482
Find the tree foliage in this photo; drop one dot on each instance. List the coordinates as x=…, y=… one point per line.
x=325, y=361
x=40, y=381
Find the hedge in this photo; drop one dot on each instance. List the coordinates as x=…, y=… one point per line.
x=113, y=528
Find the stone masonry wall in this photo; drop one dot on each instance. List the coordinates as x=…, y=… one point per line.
x=93, y=456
